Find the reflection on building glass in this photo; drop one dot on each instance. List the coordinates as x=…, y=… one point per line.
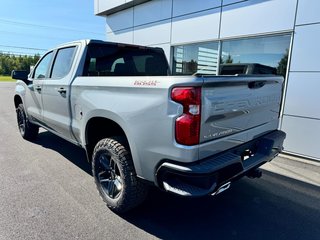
x=258, y=55
x=199, y=58
x=268, y=54
x=246, y=68
x=283, y=63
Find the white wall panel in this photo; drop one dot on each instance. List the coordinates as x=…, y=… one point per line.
x=306, y=50
x=303, y=98
x=181, y=7
x=154, y=33
x=308, y=11
x=257, y=16
x=120, y=20
x=152, y=11
x=201, y=26
x=107, y=4
x=302, y=136
x=125, y=36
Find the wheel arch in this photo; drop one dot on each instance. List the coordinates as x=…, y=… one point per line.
x=99, y=127
x=17, y=100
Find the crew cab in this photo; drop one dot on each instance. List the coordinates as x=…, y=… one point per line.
x=140, y=126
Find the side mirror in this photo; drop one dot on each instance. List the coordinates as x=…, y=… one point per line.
x=20, y=75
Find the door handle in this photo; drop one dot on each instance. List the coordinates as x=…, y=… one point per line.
x=62, y=90
x=38, y=88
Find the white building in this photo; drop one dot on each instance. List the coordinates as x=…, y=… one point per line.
x=200, y=35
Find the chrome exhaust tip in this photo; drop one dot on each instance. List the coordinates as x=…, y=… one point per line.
x=222, y=188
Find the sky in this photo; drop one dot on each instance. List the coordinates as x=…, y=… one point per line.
x=34, y=26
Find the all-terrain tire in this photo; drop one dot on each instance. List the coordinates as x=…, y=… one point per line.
x=27, y=130
x=115, y=176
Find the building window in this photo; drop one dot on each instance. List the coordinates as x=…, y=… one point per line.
x=199, y=58
x=261, y=55
x=258, y=55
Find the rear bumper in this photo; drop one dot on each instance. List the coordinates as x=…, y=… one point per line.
x=208, y=175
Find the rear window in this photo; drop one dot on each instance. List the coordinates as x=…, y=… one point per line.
x=124, y=60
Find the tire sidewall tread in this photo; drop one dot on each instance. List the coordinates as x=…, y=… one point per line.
x=31, y=130
x=134, y=191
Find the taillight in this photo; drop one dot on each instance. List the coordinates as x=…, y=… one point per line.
x=187, y=128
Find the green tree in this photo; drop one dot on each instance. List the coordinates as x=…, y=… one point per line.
x=227, y=60
x=9, y=62
x=283, y=63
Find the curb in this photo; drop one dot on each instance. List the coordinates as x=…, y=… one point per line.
x=298, y=159
x=297, y=168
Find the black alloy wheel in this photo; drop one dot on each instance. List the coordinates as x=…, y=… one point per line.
x=28, y=130
x=115, y=176
x=21, y=118
x=109, y=175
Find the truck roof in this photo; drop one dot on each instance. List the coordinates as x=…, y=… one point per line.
x=88, y=41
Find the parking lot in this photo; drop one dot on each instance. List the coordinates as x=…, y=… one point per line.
x=47, y=192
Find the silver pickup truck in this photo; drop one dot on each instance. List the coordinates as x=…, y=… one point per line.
x=187, y=135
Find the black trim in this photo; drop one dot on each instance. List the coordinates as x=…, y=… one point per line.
x=207, y=175
x=249, y=82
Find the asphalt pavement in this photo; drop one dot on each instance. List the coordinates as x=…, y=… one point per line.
x=47, y=192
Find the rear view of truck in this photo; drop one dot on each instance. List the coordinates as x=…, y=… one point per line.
x=233, y=120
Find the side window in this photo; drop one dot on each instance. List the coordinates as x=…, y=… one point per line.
x=41, y=70
x=62, y=63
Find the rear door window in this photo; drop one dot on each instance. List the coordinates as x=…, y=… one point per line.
x=63, y=62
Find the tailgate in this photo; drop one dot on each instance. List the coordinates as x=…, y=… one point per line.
x=234, y=104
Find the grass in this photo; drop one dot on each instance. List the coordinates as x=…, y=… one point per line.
x=6, y=79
